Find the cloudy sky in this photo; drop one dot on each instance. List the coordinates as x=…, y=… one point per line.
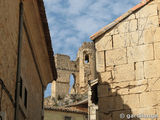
x=71, y=22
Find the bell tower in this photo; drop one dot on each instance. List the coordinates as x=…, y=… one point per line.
x=87, y=65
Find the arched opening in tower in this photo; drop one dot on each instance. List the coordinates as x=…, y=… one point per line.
x=86, y=60
x=71, y=84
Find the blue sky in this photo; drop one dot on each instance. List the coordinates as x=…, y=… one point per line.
x=71, y=22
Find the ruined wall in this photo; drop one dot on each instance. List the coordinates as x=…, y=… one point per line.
x=128, y=63
x=65, y=67
x=83, y=69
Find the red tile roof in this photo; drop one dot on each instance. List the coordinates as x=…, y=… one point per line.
x=66, y=109
x=118, y=20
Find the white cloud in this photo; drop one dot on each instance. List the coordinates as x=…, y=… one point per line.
x=77, y=6
x=85, y=24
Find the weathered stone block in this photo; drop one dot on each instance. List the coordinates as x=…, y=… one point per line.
x=133, y=25
x=138, y=89
x=139, y=69
x=103, y=90
x=156, y=34
x=119, y=85
x=144, y=111
x=116, y=57
x=153, y=84
x=140, y=53
x=121, y=88
x=131, y=101
x=149, y=99
x=149, y=35
x=105, y=43
x=140, y=37
x=118, y=41
x=138, y=86
x=157, y=50
x=124, y=73
x=123, y=27
x=151, y=69
x=106, y=76
x=144, y=23
x=133, y=39
x=107, y=104
x=148, y=10
x=123, y=91
x=100, y=61
x=125, y=40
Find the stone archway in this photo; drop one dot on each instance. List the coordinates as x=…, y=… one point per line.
x=72, y=84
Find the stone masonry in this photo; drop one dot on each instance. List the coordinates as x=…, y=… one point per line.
x=82, y=69
x=128, y=65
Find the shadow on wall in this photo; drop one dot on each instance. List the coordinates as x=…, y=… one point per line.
x=112, y=107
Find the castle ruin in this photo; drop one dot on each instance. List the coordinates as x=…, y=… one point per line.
x=83, y=69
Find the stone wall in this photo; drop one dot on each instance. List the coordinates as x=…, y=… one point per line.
x=128, y=65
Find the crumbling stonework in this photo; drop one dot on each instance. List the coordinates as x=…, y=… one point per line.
x=83, y=69
x=65, y=68
x=128, y=65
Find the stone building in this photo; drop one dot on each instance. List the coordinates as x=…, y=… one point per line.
x=128, y=63
x=26, y=59
x=83, y=69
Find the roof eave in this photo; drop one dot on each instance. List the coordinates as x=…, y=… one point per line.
x=65, y=110
x=47, y=37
